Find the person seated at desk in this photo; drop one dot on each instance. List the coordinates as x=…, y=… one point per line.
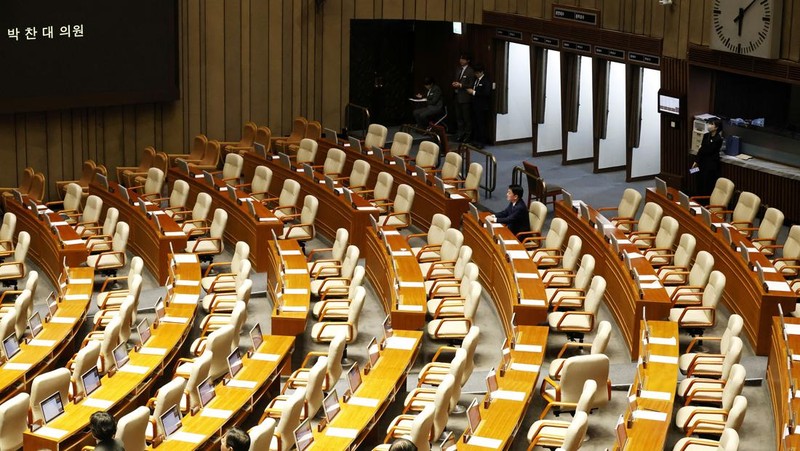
x=433, y=103
x=103, y=427
x=515, y=216
x=236, y=440
x=403, y=445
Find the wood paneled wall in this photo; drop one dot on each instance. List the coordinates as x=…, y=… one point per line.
x=270, y=60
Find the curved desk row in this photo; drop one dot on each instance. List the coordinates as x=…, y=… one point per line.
x=781, y=379
x=287, y=271
x=744, y=293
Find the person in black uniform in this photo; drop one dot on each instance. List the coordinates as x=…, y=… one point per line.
x=103, y=428
x=433, y=103
x=481, y=92
x=236, y=440
x=515, y=216
x=708, y=158
x=464, y=79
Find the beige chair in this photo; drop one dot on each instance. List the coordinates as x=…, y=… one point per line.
x=8, y=323
x=576, y=323
x=36, y=191
x=334, y=163
x=224, y=281
x=572, y=295
x=711, y=366
x=701, y=390
x=697, y=318
x=433, y=238
x=745, y=212
x=597, y=346
x=110, y=261
x=381, y=192
x=283, y=440
x=151, y=189
x=198, y=216
x=261, y=435
x=326, y=331
x=566, y=263
x=70, y=207
x=219, y=344
x=441, y=404
x=88, y=170
x=99, y=238
x=231, y=172
x=316, y=264
x=176, y=202
x=401, y=146
x=306, y=152
x=190, y=401
x=576, y=371
x=25, y=181
x=313, y=390
x=337, y=308
x=259, y=185
x=720, y=196
x=647, y=226
x=626, y=210
x=13, y=421
x=689, y=358
x=84, y=360
x=376, y=136
x=789, y=262
x=228, y=282
x=768, y=230
x=215, y=320
x=419, y=433
x=446, y=253
x=676, y=273
x=357, y=181
x=12, y=271
x=109, y=339
x=456, y=328
x=583, y=405
x=452, y=286
x=336, y=276
x=285, y=205
x=113, y=298
x=23, y=308
x=168, y=395
x=447, y=269
x=43, y=386
x=208, y=246
x=224, y=302
x=556, y=435
x=544, y=255
x=434, y=372
x=427, y=156
x=199, y=144
x=131, y=429
x=450, y=306
x=89, y=218
x=7, y=231
x=31, y=284
x=398, y=213
x=728, y=441
x=450, y=171
x=537, y=215
x=302, y=230
x=662, y=250
x=469, y=187
x=691, y=292
x=712, y=420
x=299, y=378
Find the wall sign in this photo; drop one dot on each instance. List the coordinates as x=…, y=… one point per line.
x=509, y=34
x=609, y=53
x=582, y=16
x=577, y=46
x=545, y=41
x=642, y=58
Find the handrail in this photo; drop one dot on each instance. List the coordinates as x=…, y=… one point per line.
x=489, y=166
x=356, y=117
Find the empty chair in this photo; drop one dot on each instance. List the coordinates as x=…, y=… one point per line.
x=228, y=282
x=99, y=238
x=427, y=156
x=767, y=236
x=281, y=143
x=420, y=397
x=441, y=404
x=23, y=308
x=152, y=184
x=552, y=243
x=88, y=170
x=325, y=331
x=317, y=263
x=561, y=296
x=226, y=301
x=566, y=263
x=299, y=377
x=219, y=345
x=433, y=373
x=556, y=435
x=447, y=287
x=382, y=190
x=453, y=305
x=576, y=323
x=167, y=396
x=36, y=191
x=259, y=185
x=597, y=346
x=313, y=390
x=647, y=225
x=401, y=145
x=25, y=181
x=224, y=280
x=745, y=212
x=576, y=371
x=708, y=390
x=419, y=432
x=198, y=372
x=662, y=250
x=109, y=339
x=720, y=196
x=789, y=263
x=8, y=323
x=84, y=360
x=335, y=303
x=210, y=158
x=7, y=232
x=357, y=181
x=470, y=185
x=198, y=216
x=445, y=254
x=236, y=317
x=697, y=318
x=196, y=153
x=306, y=152
x=447, y=268
x=433, y=238
x=246, y=141
x=126, y=174
x=45, y=385
x=712, y=420
x=132, y=427
x=303, y=230
x=334, y=163
x=336, y=277
x=113, y=298
x=626, y=210
x=112, y=260
x=677, y=272
x=689, y=358
x=450, y=171
x=583, y=404
x=285, y=205
x=728, y=441
x=283, y=439
x=13, y=421
x=71, y=205
x=232, y=169
x=456, y=328
x=537, y=215
x=398, y=213
x=89, y=218
x=12, y=271
x=691, y=292
x=261, y=435
x=31, y=283
x=207, y=246
x=376, y=136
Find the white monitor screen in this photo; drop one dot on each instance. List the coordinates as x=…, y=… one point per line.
x=121, y=355
x=52, y=407
x=205, y=392
x=10, y=345
x=354, y=378
x=303, y=436
x=234, y=362
x=91, y=380
x=331, y=405
x=171, y=420
x=669, y=104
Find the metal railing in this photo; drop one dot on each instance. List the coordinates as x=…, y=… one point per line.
x=356, y=120
x=489, y=182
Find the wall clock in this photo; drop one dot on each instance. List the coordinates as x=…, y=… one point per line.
x=747, y=27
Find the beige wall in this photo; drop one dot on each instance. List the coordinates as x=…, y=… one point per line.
x=270, y=60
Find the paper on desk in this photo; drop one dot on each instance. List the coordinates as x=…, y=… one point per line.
x=80, y=281
x=291, y=252
x=635, y=255
x=236, y=383
x=649, y=415
x=528, y=368
x=216, y=413
x=296, y=271
x=59, y=223
x=527, y=275
x=518, y=255
x=409, y=308
x=765, y=269
x=268, y=219
x=153, y=351
x=661, y=395
x=17, y=366
x=412, y=284
x=527, y=348
x=187, y=437
x=76, y=297
x=295, y=291
x=363, y=402
x=136, y=369
x=793, y=329
x=496, y=225
x=370, y=207
x=624, y=241
x=778, y=285
x=456, y=195
x=508, y=395
x=173, y=319
x=188, y=299
x=536, y=302
x=265, y=357
x=70, y=242
x=648, y=278
x=342, y=432
x=749, y=249
x=51, y=432
x=663, y=359
x=402, y=253
x=223, y=188
x=294, y=308
x=654, y=285
x=185, y=258
x=663, y=341
x=158, y=212
x=174, y=233
x=42, y=343
x=187, y=283
x=63, y=320
x=485, y=442
x=404, y=343
x=99, y=403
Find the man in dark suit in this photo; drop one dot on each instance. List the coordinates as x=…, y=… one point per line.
x=465, y=78
x=481, y=91
x=433, y=103
x=515, y=216
x=103, y=427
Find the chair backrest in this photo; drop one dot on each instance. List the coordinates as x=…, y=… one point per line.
x=13, y=421
x=240, y=253
x=197, y=374
x=131, y=429
x=537, y=214
x=650, y=218
x=109, y=342
x=8, y=323
x=199, y=144
x=685, y=250
x=167, y=396
x=462, y=260
x=723, y=191
x=457, y=367
x=771, y=224
x=735, y=381
x=453, y=241
x=261, y=435
x=404, y=199
x=334, y=161
x=472, y=300
x=421, y=428
x=556, y=234
x=473, y=180
x=290, y=418
x=85, y=358
x=120, y=240
x=383, y=186
x=358, y=280
x=701, y=270
x=401, y=144
x=307, y=151
x=340, y=244
x=9, y=226
x=45, y=385
x=21, y=249
x=218, y=224
x=309, y=212
x=451, y=168
x=791, y=247
x=731, y=358
x=629, y=204
x=577, y=369
x=572, y=252
x=31, y=284
x=248, y=134
x=440, y=223
x=233, y=166
x=359, y=174
x=667, y=233
x=736, y=413
x=239, y=315
x=262, y=178
x=335, y=354
x=714, y=289
x=298, y=131
x=587, y=395
x=601, y=338
x=470, y=343
x=126, y=311
x=154, y=182
x=314, y=393
x=211, y=155
x=92, y=210
x=313, y=130
x=26, y=179
x=576, y=431
x=87, y=172
x=734, y=328
x=354, y=312
x=72, y=200
x=441, y=403
x=376, y=136
x=350, y=261
x=264, y=136
x=23, y=304
x=729, y=440
x=594, y=296
x=746, y=208
x=36, y=190
x=219, y=345
x=202, y=205
x=428, y=154
x=110, y=221
x=290, y=193
x=585, y=272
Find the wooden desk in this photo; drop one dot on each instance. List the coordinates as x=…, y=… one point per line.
x=778, y=381
x=743, y=293
x=382, y=384
x=396, y=278
x=46, y=249
x=145, y=240
x=333, y=212
x=646, y=434
x=502, y=419
x=513, y=283
x=237, y=402
x=241, y=226
x=55, y=339
x=292, y=279
x=622, y=293
x=125, y=391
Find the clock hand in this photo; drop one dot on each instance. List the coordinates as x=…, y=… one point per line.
x=739, y=20
x=743, y=11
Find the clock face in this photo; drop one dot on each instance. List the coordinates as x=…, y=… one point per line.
x=746, y=27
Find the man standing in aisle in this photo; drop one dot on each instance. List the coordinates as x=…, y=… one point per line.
x=481, y=90
x=465, y=79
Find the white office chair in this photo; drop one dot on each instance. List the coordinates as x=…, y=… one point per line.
x=13, y=421
x=556, y=435
x=198, y=216
x=745, y=212
x=626, y=210
x=7, y=231
x=675, y=273
x=767, y=232
x=167, y=396
x=259, y=185
x=43, y=386
x=376, y=136
x=401, y=145
x=357, y=181
x=662, y=250
x=177, y=199
x=728, y=441
x=286, y=202
x=335, y=353
x=131, y=429
x=647, y=225
x=283, y=439
x=691, y=292
x=108, y=262
x=545, y=255
x=576, y=323
x=90, y=217
x=225, y=281
x=427, y=156
x=689, y=357
x=398, y=213
x=597, y=346
x=433, y=238
x=208, y=246
x=261, y=435
x=12, y=271
x=317, y=265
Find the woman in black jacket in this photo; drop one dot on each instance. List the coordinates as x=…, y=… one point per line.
x=708, y=158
